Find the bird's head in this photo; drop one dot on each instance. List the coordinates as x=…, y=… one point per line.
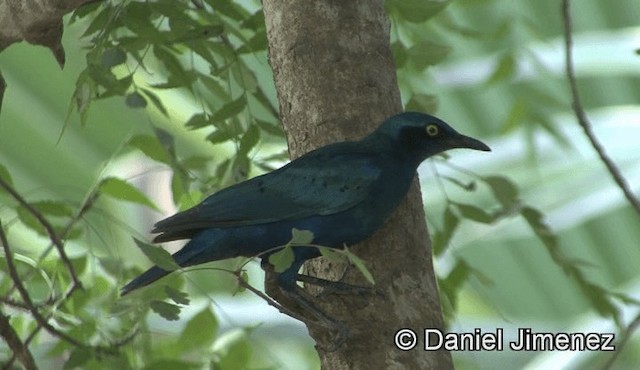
x=422, y=135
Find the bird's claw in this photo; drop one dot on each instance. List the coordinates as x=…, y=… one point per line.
x=322, y=319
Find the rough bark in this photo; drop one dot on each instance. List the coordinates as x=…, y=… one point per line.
x=335, y=79
x=36, y=21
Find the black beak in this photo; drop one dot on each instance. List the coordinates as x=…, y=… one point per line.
x=462, y=141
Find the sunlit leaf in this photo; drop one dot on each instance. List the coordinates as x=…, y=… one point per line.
x=282, y=259
x=155, y=100
x=300, y=237
x=360, y=265
x=230, y=109
x=157, y=256
x=200, y=331
x=122, y=190
x=151, y=147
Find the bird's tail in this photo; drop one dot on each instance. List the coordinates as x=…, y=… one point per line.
x=145, y=279
x=204, y=247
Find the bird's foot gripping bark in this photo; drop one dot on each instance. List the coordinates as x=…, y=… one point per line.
x=322, y=319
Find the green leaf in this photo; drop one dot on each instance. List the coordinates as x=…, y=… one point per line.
x=516, y=116
x=169, y=311
x=244, y=76
x=135, y=100
x=257, y=43
x=151, y=147
x=441, y=238
x=157, y=256
x=282, y=259
x=233, y=350
x=359, y=263
x=53, y=208
x=177, y=74
x=331, y=254
x=474, y=213
x=112, y=57
x=400, y=54
x=155, y=100
x=172, y=364
x=249, y=139
x=535, y=219
x=426, y=54
x=5, y=175
x=200, y=32
x=503, y=70
x=198, y=120
x=503, y=190
x=30, y=221
x=199, y=332
x=122, y=190
x=177, y=296
x=138, y=20
x=78, y=357
x=220, y=136
x=99, y=21
x=300, y=237
x=230, y=109
x=417, y=11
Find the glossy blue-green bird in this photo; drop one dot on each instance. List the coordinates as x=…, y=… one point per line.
x=341, y=192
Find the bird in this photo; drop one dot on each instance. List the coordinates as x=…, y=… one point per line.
x=342, y=193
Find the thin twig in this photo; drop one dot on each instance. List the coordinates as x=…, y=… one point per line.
x=13, y=341
x=17, y=281
x=55, y=239
x=582, y=116
x=272, y=302
x=22, y=306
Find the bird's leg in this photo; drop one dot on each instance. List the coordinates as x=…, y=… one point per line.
x=336, y=287
x=286, y=280
x=323, y=319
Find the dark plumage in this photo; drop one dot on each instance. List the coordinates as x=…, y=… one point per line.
x=341, y=192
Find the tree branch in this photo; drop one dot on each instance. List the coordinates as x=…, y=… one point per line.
x=581, y=115
x=55, y=239
x=13, y=273
x=13, y=341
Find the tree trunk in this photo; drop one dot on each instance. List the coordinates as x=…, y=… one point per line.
x=336, y=80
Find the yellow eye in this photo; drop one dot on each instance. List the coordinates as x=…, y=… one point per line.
x=432, y=130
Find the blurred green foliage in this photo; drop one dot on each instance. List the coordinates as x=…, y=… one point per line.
x=178, y=95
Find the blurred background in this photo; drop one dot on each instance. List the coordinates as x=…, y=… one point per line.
x=534, y=235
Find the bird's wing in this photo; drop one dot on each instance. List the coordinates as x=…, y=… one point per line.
x=318, y=184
